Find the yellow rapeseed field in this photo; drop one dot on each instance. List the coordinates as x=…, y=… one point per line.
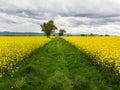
x=103, y=51
x=14, y=50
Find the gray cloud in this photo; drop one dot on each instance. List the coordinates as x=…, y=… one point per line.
x=73, y=15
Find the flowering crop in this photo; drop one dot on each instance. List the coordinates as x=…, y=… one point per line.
x=103, y=51
x=14, y=50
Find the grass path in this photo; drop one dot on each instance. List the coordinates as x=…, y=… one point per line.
x=57, y=66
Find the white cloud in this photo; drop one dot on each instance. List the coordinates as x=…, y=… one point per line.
x=76, y=16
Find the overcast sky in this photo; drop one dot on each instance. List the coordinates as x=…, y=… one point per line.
x=76, y=16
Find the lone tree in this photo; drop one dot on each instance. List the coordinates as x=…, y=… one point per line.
x=48, y=27
x=61, y=32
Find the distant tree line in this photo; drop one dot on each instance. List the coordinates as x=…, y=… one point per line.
x=91, y=34
x=49, y=27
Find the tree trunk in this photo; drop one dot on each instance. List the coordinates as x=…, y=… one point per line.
x=48, y=35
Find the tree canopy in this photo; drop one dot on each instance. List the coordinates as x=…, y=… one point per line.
x=48, y=27
x=61, y=32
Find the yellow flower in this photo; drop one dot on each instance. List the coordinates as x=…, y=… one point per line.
x=103, y=50
x=14, y=49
